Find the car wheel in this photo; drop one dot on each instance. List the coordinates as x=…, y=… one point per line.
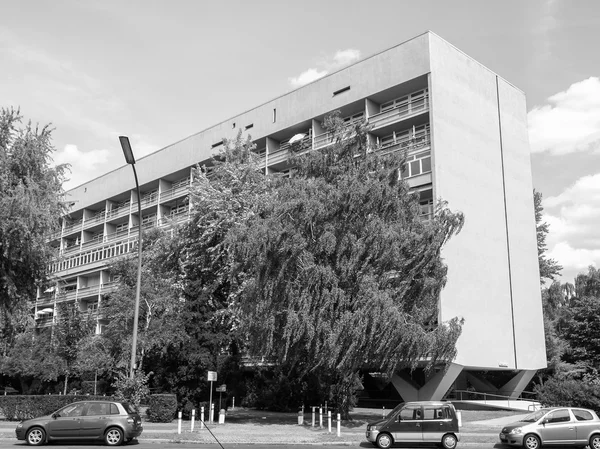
x=36, y=436
x=113, y=436
x=531, y=442
x=449, y=441
x=384, y=441
x=595, y=442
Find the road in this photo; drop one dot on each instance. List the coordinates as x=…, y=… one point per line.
x=164, y=445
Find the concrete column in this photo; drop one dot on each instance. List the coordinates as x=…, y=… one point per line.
x=433, y=390
x=514, y=387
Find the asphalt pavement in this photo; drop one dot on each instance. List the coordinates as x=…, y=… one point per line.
x=244, y=426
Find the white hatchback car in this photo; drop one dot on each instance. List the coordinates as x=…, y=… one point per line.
x=558, y=426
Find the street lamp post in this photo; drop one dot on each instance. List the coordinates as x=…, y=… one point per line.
x=128, y=152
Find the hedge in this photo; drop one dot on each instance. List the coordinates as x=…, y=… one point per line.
x=19, y=407
x=161, y=407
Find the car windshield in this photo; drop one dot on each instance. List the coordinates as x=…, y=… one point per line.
x=395, y=410
x=534, y=417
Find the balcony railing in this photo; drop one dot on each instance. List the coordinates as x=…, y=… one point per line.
x=412, y=142
x=98, y=217
x=121, y=210
x=404, y=110
x=73, y=227
x=93, y=290
x=175, y=192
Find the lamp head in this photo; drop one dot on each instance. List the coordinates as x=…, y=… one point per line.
x=127, y=151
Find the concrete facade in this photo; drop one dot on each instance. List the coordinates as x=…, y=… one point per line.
x=466, y=133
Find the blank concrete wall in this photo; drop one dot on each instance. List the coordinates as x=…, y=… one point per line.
x=527, y=302
x=468, y=173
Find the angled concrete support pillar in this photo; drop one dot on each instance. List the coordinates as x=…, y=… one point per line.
x=433, y=390
x=517, y=384
x=481, y=385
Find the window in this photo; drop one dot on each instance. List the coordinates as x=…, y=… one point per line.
x=408, y=103
x=410, y=414
x=434, y=413
x=582, y=415
x=559, y=416
x=114, y=410
x=274, y=115
x=72, y=410
x=249, y=126
x=217, y=144
x=342, y=90
x=101, y=408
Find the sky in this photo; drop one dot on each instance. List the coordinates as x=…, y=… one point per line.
x=161, y=70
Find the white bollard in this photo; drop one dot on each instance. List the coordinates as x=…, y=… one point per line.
x=193, y=419
x=179, y=422
x=212, y=413
x=233, y=404
x=329, y=421
x=321, y=417
x=313, y=416
x=201, y=417
x=222, y=416
x=339, y=425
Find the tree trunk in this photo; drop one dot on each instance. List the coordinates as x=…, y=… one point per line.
x=66, y=381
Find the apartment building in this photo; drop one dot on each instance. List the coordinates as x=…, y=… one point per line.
x=465, y=131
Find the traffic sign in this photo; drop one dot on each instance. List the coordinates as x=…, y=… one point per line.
x=221, y=388
x=212, y=376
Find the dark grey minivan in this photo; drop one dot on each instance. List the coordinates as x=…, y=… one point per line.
x=435, y=422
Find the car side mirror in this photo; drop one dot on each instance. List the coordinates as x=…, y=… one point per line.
x=55, y=415
x=545, y=421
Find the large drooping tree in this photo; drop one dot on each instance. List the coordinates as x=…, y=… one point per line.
x=31, y=203
x=340, y=270
x=222, y=196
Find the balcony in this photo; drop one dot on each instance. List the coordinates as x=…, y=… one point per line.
x=412, y=142
x=402, y=111
x=179, y=188
x=97, y=218
x=147, y=201
x=93, y=290
x=103, y=252
x=121, y=210
x=72, y=227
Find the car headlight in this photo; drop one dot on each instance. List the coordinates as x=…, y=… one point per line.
x=516, y=431
x=373, y=428
x=19, y=425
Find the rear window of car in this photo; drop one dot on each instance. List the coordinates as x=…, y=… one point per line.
x=583, y=415
x=114, y=410
x=128, y=408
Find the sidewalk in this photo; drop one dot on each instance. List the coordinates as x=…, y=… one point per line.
x=255, y=426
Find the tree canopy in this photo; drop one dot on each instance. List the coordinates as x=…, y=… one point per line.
x=549, y=268
x=31, y=203
x=333, y=268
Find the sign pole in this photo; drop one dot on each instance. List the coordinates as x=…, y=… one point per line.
x=210, y=418
x=212, y=376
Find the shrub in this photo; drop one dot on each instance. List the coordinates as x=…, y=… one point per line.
x=19, y=407
x=161, y=407
x=569, y=393
x=133, y=390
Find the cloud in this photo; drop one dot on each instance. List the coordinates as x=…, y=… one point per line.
x=308, y=76
x=84, y=165
x=345, y=57
x=340, y=59
x=573, y=216
x=570, y=123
